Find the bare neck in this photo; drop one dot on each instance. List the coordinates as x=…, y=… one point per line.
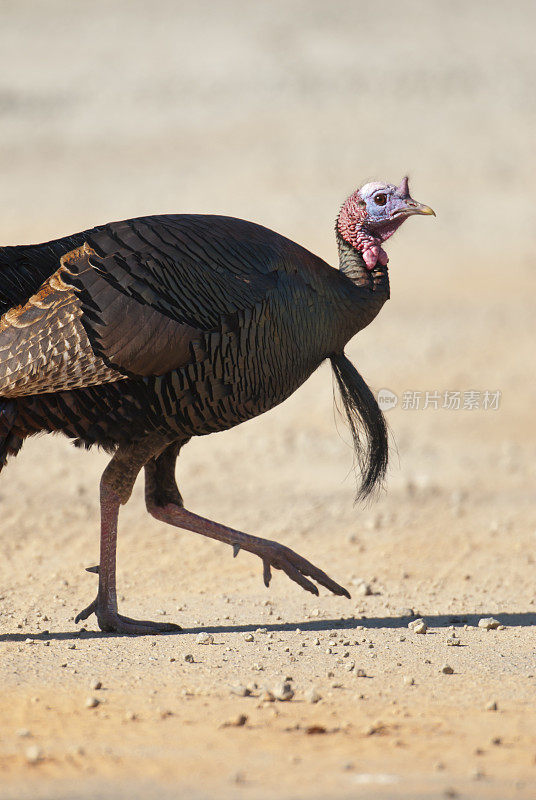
x=352, y=264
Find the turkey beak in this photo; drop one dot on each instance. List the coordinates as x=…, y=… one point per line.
x=419, y=208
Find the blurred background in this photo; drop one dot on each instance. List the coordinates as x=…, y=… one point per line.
x=276, y=111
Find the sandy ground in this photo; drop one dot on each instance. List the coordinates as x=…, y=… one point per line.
x=274, y=112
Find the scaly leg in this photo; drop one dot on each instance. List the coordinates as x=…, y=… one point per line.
x=116, y=486
x=272, y=554
x=165, y=504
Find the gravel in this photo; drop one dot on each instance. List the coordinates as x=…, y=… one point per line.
x=91, y=702
x=405, y=612
x=446, y=669
x=236, y=722
x=362, y=587
x=240, y=690
x=418, y=626
x=312, y=696
x=283, y=691
x=204, y=638
x=33, y=754
x=488, y=623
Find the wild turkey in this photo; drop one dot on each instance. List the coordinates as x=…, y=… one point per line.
x=140, y=334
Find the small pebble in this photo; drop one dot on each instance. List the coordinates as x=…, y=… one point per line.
x=95, y=686
x=491, y=706
x=33, y=754
x=92, y=702
x=315, y=729
x=409, y=681
x=488, y=623
x=24, y=733
x=453, y=642
x=189, y=658
x=236, y=722
x=312, y=696
x=360, y=673
x=446, y=669
x=240, y=690
x=405, y=612
x=283, y=692
x=375, y=728
x=204, y=638
x=418, y=626
x=248, y=637
x=362, y=587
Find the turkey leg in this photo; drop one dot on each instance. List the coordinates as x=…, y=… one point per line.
x=164, y=502
x=272, y=553
x=115, y=489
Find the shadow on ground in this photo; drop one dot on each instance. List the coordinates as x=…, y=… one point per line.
x=517, y=620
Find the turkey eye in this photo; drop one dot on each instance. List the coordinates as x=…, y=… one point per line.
x=380, y=199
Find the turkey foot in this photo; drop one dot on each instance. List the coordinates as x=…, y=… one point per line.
x=110, y=620
x=271, y=553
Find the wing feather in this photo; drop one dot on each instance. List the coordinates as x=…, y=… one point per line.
x=133, y=298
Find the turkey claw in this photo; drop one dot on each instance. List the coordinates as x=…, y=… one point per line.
x=296, y=567
x=87, y=612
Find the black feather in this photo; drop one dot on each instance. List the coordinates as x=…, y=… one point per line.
x=8, y=443
x=367, y=424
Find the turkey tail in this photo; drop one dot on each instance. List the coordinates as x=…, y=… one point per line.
x=367, y=424
x=8, y=414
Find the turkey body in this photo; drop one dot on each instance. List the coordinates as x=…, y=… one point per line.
x=177, y=325
x=140, y=334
